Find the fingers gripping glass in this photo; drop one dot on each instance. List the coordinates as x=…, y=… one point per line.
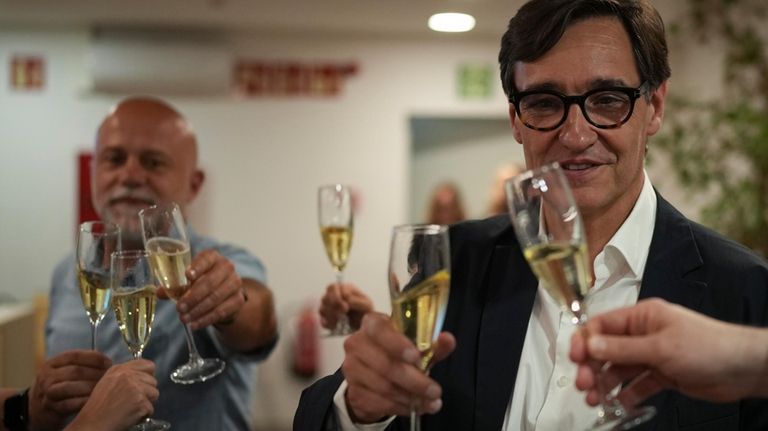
x=133, y=301
x=550, y=231
x=165, y=239
x=419, y=284
x=605, y=108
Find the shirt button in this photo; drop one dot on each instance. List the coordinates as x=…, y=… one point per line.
x=563, y=381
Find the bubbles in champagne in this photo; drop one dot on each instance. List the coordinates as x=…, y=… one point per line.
x=563, y=272
x=95, y=293
x=134, y=312
x=169, y=259
x=337, y=241
x=418, y=312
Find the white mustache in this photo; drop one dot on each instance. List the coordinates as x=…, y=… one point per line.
x=133, y=194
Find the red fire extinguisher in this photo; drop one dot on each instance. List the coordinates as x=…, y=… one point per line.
x=306, y=343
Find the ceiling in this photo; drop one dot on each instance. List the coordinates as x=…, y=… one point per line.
x=387, y=18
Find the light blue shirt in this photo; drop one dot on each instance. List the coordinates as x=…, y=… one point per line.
x=222, y=403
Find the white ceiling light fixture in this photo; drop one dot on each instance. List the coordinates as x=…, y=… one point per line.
x=451, y=22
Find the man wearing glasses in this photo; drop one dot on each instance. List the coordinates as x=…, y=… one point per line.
x=587, y=82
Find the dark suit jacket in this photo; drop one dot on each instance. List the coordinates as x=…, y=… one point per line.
x=492, y=295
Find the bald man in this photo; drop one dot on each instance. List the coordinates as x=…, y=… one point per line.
x=145, y=154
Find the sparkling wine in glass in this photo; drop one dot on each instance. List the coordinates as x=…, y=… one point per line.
x=334, y=206
x=133, y=300
x=419, y=286
x=550, y=230
x=165, y=239
x=95, y=243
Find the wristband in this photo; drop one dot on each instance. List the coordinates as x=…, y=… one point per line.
x=16, y=414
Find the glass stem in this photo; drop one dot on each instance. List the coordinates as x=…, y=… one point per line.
x=415, y=420
x=147, y=420
x=193, y=355
x=610, y=406
x=342, y=325
x=93, y=335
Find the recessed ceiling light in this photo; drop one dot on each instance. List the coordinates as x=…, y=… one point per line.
x=451, y=22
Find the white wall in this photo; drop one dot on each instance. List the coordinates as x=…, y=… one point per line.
x=40, y=134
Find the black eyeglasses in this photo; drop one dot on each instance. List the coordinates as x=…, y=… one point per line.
x=606, y=108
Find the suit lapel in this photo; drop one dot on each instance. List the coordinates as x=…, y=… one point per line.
x=673, y=254
x=511, y=290
x=477, y=267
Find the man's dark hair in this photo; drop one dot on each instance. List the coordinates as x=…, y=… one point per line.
x=540, y=24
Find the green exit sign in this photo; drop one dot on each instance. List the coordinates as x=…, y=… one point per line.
x=475, y=81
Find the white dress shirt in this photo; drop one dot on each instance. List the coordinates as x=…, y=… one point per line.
x=544, y=397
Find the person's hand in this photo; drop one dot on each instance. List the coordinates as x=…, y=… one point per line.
x=341, y=299
x=672, y=347
x=122, y=398
x=215, y=294
x=62, y=387
x=382, y=373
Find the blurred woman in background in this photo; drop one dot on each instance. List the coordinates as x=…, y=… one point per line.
x=446, y=205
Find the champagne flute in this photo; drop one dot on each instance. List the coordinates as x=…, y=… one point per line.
x=165, y=239
x=334, y=206
x=133, y=300
x=419, y=285
x=95, y=242
x=549, y=228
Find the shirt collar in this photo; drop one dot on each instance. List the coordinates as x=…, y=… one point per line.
x=633, y=239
